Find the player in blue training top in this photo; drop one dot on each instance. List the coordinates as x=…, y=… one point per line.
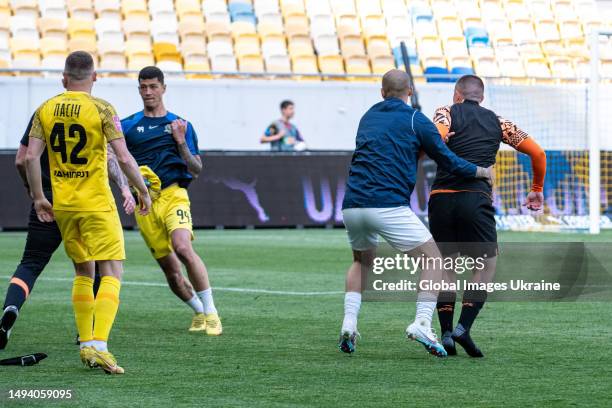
x=390, y=138
x=166, y=149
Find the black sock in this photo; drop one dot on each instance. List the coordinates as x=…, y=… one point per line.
x=15, y=296
x=473, y=301
x=21, y=285
x=446, y=310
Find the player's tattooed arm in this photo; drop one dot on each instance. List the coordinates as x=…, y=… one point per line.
x=194, y=162
x=116, y=175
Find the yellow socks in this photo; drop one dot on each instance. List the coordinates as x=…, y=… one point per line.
x=83, y=305
x=106, y=305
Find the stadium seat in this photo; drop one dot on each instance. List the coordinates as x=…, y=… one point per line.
x=374, y=26
x=138, y=61
x=270, y=24
x=263, y=7
x=53, y=27
x=476, y=36
x=512, y=68
x=113, y=62
x=322, y=25
x=351, y=45
x=81, y=9
x=546, y=29
x=570, y=29
x=318, y=7
x=455, y=47
x=348, y=25
x=326, y=45
x=343, y=7
x=358, y=65
x=537, y=68
x=305, y=64
x=429, y=46
x=247, y=44
x=300, y=45
x=331, y=64
x=251, y=64
x=197, y=63
x=378, y=46
x=239, y=28
x=25, y=8
x=191, y=29
x=523, y=31
x=108, y=9
x=450, y=27
x=224, y=63
x=137, y=27
x=216, y=48
x=381, y=64
x=109, y=29
x=278, y=64
x=289, y=7
x=53, y=9
x=133, y=47
x=24, y=28
x=273, y=46
x=460, y=66
x=487, y=67
x=297, y=24
x=394, y=8
x=561, y=67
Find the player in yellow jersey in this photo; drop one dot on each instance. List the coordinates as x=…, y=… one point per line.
x=75, y=127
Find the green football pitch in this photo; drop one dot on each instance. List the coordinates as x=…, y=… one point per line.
x=279, y=296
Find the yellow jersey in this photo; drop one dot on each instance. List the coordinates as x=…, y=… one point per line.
x=76, y=128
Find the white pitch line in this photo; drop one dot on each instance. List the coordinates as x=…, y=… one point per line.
x=239, y=290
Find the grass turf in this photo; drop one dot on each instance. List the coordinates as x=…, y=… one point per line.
x=280, y=350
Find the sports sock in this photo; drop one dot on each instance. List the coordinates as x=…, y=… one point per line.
x=83, y=305
x=84, y=344
x=446, y=310
x=196, y=304
x=425, y=305
x=207, y=300
x=17, y=293
x=352, y=304
x=473, y=301
x=96, y=284
x=107, y=303
x=99, y=345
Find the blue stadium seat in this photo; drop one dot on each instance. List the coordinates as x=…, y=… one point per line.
x=436, y=71
x=462, y=71
x=242, y=12
x=421, y=13
x=477, y=36
x=412, y=55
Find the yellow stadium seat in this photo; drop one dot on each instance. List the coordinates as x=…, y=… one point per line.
x=378, y=46
x=81, y=9
x=217, y=27
x=537, y=68
x=129, y=7
x=562, y=68
x=343, y=7
x=577, y=47
x=239, y=28
x=247, y=44
x=570, y=29
x=79, y=27
x=278, y=64
x=138, y=61
x=163, y=51
x=199, y=64
x=300, y=45
x=113, y=61
x=267, y=27
x=304, y=64
x=52, y=28
x=289, y=7
x=188, y=7
x=297, y=24
x=251, y=64
x=53, y=46
x=382, y=64
x=138, y=46
x=83, y=43
x=352, y=45
x=546, y=29
x=331, y=64
x=554, y=48
x=374, y=26
x=348, y=25
x=191, y=28
x=358, y=65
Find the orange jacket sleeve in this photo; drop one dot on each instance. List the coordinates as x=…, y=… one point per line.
x=538, y=162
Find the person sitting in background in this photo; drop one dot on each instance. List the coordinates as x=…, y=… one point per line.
x=282, y=135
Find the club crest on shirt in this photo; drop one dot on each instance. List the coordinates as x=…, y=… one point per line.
x=140, y=129
x=168, y=129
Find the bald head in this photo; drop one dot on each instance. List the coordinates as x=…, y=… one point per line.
x=396, y=84
x=469, y=87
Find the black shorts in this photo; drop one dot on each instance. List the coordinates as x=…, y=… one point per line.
x=463, y=222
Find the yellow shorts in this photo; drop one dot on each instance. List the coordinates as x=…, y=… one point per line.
x=91, y=235
x=171, y=211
